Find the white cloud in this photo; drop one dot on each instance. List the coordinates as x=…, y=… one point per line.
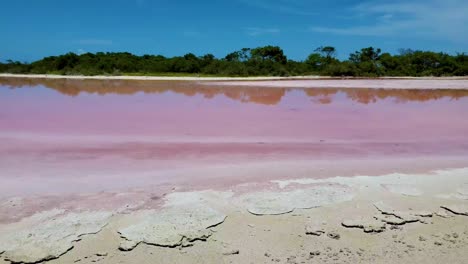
x=256, y=31
x=442, y=19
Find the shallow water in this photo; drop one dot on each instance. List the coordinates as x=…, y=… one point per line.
x=192, y=112
x=97, y=129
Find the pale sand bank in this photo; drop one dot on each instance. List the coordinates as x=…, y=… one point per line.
x=220, y=78
x=151, y=78
x=381, y=83
x=286, y=82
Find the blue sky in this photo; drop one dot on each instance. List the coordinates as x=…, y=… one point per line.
x=32, y=29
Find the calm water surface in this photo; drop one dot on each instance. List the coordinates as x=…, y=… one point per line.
x=192, y=112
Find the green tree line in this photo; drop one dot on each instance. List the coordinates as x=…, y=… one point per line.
x=261, y=61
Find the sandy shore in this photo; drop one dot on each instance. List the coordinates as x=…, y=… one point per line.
x=380, y=83
x=150, y=78
x=181, y=78
x=455, y=83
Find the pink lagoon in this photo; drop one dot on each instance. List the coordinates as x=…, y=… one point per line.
x=71, y=136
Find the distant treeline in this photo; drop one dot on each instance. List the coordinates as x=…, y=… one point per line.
x=261, y=61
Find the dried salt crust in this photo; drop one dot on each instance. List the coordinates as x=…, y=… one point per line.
x=187, y=217
x=47, y=235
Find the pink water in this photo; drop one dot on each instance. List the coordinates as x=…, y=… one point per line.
x=88, y=136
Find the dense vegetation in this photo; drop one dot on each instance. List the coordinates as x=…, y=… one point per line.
x=261, y=61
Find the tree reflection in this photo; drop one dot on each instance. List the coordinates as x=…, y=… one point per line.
x=258, y=95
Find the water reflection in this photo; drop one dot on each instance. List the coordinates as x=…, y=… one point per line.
x=258, y=95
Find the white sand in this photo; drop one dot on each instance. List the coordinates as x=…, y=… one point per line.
x=190, y=78
x=287, y=82
x=381, y=83
x=151, y=78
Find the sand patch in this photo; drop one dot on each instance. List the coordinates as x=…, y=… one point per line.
x=381, y=83
x=404, y=189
